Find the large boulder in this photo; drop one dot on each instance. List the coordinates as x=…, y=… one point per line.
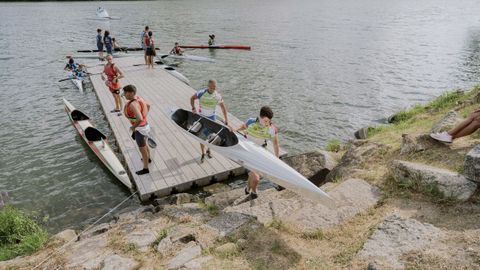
x=224, y=199
x=396, y=237
x=429, y=179
x=356, y=154
x=175, y=239
x=182, y=198
x=447, y=122
x=419, y=143
x=142, y=238
x=187, y=254
x=352, y=196
x=361, y=134
x=227, y=223
x=472, y=164
x=116, y=262
x=65, y=236
x=216, y=188
x=197, y=263
x=88, y=254
x=313, y=165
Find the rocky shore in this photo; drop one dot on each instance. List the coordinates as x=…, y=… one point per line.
x=403, y=201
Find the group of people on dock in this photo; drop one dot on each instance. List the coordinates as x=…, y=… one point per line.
x=106, y=41
x=205, y=101
x=148, y=45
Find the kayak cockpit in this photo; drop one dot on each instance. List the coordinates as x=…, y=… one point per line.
x=205, y=129
x=92, y=134
x=78, y=115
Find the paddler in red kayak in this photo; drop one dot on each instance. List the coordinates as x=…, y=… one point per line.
x=136, y=111
x=211, y=40
x=113, y=75
x=176, y=50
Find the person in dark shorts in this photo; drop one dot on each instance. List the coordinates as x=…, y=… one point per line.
x=136, y=111
x=107, y=40
x=113, y=75
x=100, y=44
x=142, y=42
x=150, y=49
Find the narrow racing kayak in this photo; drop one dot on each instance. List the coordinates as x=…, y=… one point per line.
x=78, y=82
x=77, y=79
x=246, y=153
x=171, y=70
x=236, y=47
x=185, y=57
x=97, y=141
x=122, y=49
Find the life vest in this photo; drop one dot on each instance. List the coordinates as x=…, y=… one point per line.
x=147, y=41
x=143, y=110
x=208, y=102
x=72, y=67
x=109, y=70
x=261, y=132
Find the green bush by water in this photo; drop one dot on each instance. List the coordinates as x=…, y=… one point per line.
x=19, y=234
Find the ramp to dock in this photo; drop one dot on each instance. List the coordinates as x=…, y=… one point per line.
x=175, y=163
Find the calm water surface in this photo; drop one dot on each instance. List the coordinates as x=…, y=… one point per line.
x=326, y=68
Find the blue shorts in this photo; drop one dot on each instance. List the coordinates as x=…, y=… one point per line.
x=109, y=49
x=207, y=131
x=100, y=46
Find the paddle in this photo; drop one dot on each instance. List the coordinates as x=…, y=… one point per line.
x=90, y=74
x=150, y=141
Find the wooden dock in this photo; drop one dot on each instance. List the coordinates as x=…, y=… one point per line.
x=176, y=160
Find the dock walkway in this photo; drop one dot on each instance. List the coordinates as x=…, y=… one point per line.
x=176, y=160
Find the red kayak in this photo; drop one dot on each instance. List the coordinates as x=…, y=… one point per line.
x=237, y=47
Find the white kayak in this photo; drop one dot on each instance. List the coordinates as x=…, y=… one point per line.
x=185, y=57
x=97, y=141
x=78, y=82
x=246, y=153
x=174, y=72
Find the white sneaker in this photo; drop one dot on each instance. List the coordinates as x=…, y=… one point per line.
x=443, y=137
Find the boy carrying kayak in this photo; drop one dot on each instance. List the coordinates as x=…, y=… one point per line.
x=260, y=129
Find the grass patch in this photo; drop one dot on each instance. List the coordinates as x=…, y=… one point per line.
x=211, y=208
x=314, y=235
x=129, y=248
x=161, y=235
x=19, y=234
x=333, y=145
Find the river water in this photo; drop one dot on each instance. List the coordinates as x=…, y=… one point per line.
x=325, y=67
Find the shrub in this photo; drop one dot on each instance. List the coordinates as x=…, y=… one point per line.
x=19, y=234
